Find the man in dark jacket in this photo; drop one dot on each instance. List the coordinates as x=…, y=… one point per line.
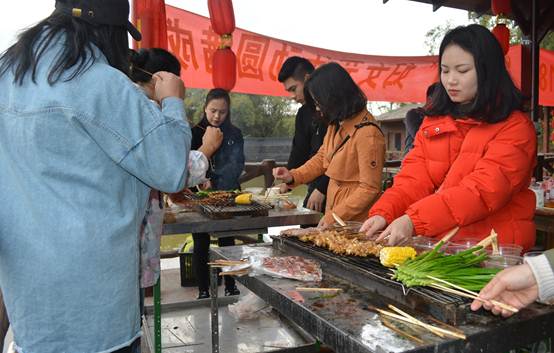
x=309, y=129
x=413, y=120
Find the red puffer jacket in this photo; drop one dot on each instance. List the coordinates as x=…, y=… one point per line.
x=470, y=174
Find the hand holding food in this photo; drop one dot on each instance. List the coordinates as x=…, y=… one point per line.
x=283, y=188
x=515, y=286
x=168, y=85
x=211, y=141
x=398, y=232
x=282, y=173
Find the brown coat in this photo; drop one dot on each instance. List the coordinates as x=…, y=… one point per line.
x=355, y=169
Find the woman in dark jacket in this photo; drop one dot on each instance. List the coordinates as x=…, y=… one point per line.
x=227, y=165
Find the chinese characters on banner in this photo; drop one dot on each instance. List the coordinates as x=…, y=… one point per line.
x=259, y=58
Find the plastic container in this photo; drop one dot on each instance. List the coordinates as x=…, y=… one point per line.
x=290, y=203
x=532, y=254
x=507, y=249
x=423, y=244
x=350, y=225
x=462, y=245
x=502, y=261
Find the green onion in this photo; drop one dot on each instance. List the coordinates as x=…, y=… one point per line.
x=461, y=269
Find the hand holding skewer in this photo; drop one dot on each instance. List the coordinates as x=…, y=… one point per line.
x=373, y=225
x=168, y=85
x=515, y=286
x=283, y=174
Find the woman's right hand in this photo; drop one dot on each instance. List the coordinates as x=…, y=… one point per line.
x=373, y=225
x=167, y=85
x=211, y=141
x=283, y=174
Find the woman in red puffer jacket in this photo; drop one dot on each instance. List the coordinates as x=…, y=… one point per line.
x=473, y=157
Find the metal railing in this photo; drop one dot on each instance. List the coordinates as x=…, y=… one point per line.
x=255, y=169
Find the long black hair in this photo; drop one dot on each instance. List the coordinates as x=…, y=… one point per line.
x=152, y=60
x=333, y=90
x=77, y=54
x=497, y=96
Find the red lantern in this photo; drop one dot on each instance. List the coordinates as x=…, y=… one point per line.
x=224, y=74
x=150, y=18
x=501, y=7
x=502, y=34
x=222, y=16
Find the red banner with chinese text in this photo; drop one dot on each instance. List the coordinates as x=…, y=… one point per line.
x=259, y=58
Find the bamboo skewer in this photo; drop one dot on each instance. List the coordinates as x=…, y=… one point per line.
x=475, y=295
x=224, y=263
x=455, y=291
x=449, y=235
x=402, y=333
x=431, y=328
x=445, y=325
x=316, y=289
x=488, y=240
x=418, y=322
x=234, y=273
x=143, y=70
x=412, y=320
x=339, y=220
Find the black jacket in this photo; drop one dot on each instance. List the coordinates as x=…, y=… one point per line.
x=227, y=163
x=309, y=132
x=412, y=122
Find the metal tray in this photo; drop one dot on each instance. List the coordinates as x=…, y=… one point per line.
x=186, y=328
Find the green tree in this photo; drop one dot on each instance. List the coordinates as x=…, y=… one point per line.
x=255, y=115
x=434, y=36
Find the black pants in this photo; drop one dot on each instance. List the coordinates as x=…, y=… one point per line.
x=200, y=259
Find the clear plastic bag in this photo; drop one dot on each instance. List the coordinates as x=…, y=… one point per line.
x=293, y=267
x=249, y=307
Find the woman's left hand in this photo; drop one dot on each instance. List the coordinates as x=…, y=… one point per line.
x=398, y=232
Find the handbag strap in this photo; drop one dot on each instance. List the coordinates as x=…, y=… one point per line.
x=365, y=122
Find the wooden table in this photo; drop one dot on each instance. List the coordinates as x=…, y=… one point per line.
x=194, y=222
x=544, y=221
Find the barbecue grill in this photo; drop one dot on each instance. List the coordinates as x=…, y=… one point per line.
x=368, y=273
x=225, y=208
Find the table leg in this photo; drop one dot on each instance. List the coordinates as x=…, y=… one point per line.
x=215, y=319
x=158, y=317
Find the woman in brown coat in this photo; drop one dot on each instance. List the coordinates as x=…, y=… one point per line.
x=353, y=150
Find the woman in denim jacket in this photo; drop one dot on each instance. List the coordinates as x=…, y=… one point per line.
x=80, y=149
x=227, y=165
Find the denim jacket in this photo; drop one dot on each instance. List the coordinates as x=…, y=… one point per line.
x=78, y=160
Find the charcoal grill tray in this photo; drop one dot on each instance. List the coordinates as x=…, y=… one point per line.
x=227, y=208
x=229, y=211
x=370, y=274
